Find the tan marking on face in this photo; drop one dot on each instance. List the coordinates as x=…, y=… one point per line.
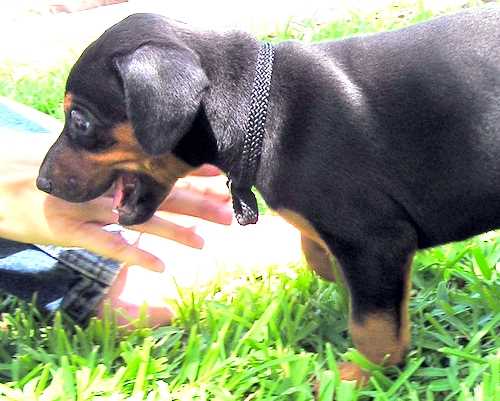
x=127, y=154
x=315, y=250
x=124, y=134
x=64, y=162
x=68, y=102
x=378, y=335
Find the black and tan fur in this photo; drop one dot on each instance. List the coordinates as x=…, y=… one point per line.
x=376, y=146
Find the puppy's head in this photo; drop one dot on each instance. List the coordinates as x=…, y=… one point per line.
x=130, y=99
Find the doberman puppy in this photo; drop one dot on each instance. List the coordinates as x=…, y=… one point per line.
x=375, y=146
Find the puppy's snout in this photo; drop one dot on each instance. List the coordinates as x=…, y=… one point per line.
x=44, y=184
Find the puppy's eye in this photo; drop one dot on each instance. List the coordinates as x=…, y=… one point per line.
x=86, y=131
x=79, y=122
x=82, y=129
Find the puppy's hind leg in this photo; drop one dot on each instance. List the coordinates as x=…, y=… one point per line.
x=318, y=258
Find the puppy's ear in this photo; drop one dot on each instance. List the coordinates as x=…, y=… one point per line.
x=163, y=90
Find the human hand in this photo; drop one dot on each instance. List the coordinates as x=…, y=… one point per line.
x=202, y=194
x=28, y=215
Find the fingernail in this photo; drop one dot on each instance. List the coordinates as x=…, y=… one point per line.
x=158, y=266
x=198, y=242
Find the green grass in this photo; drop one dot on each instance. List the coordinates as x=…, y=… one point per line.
x=272, y=337
x=43, y=91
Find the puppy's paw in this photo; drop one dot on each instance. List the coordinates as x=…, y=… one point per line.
x=352, y=372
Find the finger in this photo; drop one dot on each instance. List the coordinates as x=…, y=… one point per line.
x=166, y=229
x=206, y=170
x=198, y=205
x=99, y=211
x=209, y=187
x=113, y=245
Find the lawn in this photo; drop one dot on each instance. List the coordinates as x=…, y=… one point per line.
x=277, y=336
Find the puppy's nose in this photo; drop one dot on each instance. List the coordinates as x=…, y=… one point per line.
x=44, y=184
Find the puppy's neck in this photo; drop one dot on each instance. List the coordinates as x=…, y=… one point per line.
x=229, y=62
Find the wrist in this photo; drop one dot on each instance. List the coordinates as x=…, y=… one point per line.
x=16, y=202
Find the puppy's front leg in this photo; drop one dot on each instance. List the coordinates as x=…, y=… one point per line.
x=381, y=331
x=378, y=274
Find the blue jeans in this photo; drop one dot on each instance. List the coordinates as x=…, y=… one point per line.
x=73, y=280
